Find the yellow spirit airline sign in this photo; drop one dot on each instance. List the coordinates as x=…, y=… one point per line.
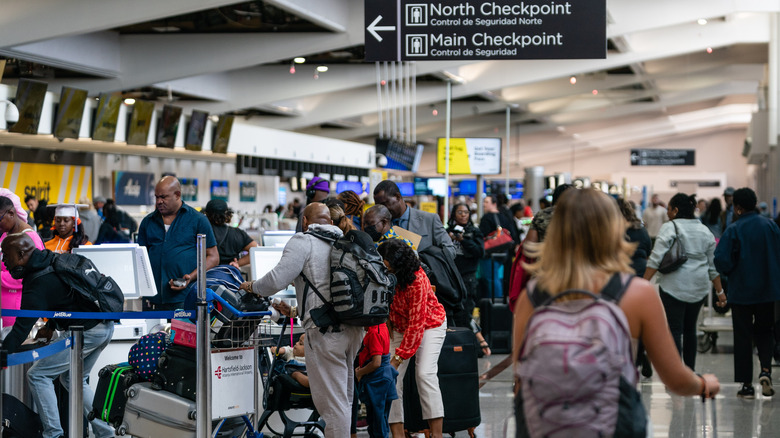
x=470, y=156
x=55, y=183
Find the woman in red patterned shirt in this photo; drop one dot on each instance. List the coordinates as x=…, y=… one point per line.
x=418, y=325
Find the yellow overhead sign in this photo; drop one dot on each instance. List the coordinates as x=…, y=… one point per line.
x=470, y=156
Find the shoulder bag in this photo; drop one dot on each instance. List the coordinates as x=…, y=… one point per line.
x=498, y=240
x=675, y=256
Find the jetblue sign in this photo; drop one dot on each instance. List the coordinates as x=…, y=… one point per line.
x=409, y=30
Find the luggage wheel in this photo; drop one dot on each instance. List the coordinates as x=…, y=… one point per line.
x=91, y=416
x=131, y=392
x=121, y=430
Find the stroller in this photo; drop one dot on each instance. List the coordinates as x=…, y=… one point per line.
x=282, y=393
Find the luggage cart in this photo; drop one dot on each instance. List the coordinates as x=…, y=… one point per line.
x=710, y=324
x=247, y=332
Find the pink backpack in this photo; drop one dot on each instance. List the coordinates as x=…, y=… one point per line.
x=576, y=367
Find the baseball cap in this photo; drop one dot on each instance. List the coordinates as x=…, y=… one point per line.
x=216, y=206
x=729, y=191
x=318, y=183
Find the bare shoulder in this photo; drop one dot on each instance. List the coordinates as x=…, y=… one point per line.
x=640, y=298
x=639, y=290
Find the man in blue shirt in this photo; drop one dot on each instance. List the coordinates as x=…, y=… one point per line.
x=748, y=252
x=170, y=236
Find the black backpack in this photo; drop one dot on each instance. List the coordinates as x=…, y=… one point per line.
x=361, y=288
x=91, y=289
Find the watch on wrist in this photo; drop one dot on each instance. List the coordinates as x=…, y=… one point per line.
x=398, y=358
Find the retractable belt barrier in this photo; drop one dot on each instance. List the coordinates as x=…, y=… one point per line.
x=48, y=350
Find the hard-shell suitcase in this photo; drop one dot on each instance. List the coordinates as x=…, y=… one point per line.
x=177, y=371
x=495, y=318
x=157, y=414
x=19, y=420
x=110, y=397
x=458, y=381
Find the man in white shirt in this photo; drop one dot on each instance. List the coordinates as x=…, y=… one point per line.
x=654, y=216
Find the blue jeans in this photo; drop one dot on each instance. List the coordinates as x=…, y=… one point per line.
x=493, y=273
x=43, y=372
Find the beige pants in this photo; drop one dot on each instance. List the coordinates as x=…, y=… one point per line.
x=330, y=361
x=427, y=368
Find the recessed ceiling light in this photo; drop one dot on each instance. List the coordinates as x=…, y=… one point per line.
x=322, y=68
x=129, y=101
x=573, y=80
x=163, y=29
x=299, y=60
x=702, y=21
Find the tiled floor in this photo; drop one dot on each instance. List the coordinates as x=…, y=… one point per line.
x=671, y=416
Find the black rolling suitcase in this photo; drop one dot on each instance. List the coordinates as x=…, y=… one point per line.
x=19, y=420
x=495, y=318
x=177, y=371
x=110, y=397
x=459, y=383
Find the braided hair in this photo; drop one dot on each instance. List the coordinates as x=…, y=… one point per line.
x=353, y=205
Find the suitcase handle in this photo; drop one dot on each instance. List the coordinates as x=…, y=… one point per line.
x=212, y=296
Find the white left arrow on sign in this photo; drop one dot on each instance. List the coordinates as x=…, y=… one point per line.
x=373, y=28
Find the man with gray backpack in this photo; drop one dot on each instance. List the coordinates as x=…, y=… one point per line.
x=306, y=262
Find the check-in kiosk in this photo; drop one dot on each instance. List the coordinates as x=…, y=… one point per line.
x=128, y=264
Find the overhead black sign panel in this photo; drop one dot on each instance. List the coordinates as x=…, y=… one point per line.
x=663, y=157
x=409, y=30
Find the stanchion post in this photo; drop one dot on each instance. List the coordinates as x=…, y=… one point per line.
x=3, y=364
x=203, y=403
x=76, y=409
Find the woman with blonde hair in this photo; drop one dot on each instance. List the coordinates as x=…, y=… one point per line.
x=584, y=249
x=337, y=215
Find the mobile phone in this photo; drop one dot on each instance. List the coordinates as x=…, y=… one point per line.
x=179, y=282
x=457, y=229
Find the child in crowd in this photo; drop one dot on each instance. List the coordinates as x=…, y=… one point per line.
x=376, y=379
x=294, y=361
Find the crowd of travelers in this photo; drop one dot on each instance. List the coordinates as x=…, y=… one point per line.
x=583, y=244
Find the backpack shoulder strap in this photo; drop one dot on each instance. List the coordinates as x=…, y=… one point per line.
x=537, y=296
x=616, y=286
x=612, y=291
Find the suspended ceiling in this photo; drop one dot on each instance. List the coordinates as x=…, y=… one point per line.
x=665, y=75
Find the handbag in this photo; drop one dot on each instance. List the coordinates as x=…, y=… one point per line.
x=498, y=240
x=675, y=256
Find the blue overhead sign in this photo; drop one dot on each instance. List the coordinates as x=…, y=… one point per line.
x=414, y=30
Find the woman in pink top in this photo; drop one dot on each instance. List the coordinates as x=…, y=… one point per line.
x=13, y=219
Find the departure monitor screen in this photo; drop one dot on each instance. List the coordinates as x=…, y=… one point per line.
x=195, y=130
x=29, y=100
x=70, y=112
x=168, y=127
x=140, y=123
x=222, y=135
x=107, y=116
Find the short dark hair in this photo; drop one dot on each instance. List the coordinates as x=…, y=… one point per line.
x=559, y=191
x=685, y=205
x=28, y=197
x=389, y=187
x=6, y=202
x=745, y=198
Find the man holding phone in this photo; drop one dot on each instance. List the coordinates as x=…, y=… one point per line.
x=170, y=236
